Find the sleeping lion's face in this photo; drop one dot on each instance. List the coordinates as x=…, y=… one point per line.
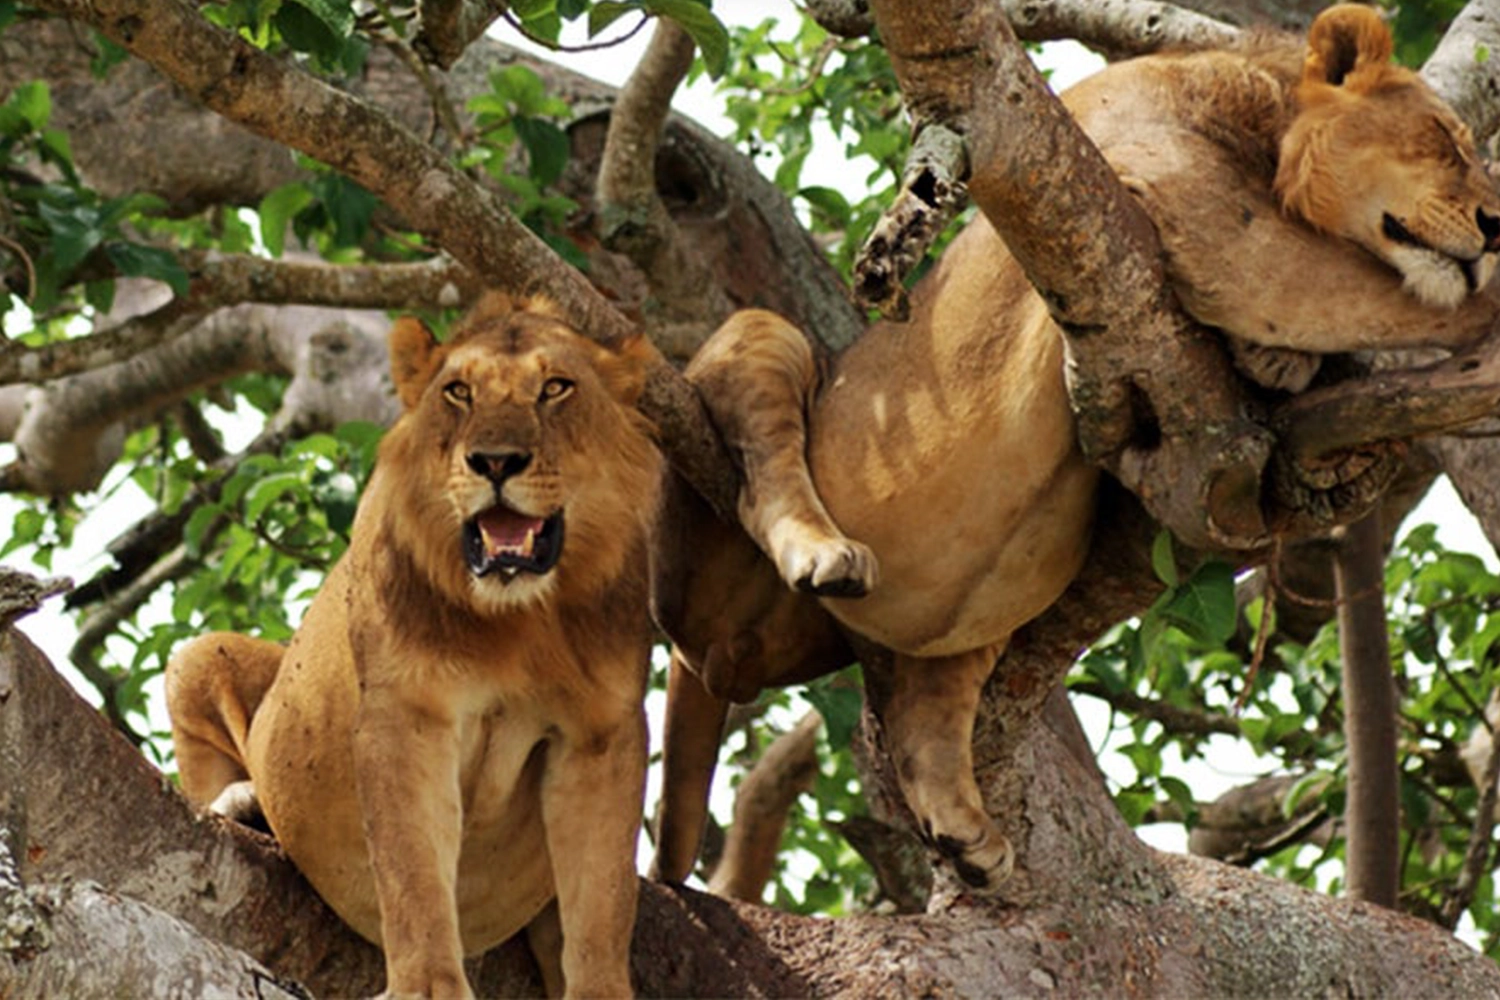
x=1374, y=156
x=531, y=458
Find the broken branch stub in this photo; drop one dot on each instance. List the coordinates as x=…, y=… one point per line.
x=932, y=192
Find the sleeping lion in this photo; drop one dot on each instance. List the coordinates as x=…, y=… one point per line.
x=455, y=737
x=929, y=492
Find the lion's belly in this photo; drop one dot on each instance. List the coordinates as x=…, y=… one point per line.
x=301, y=758
x=948, y=447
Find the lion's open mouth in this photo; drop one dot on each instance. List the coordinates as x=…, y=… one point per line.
x=505, y=541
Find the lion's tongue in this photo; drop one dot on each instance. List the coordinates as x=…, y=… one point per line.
x=507, y=533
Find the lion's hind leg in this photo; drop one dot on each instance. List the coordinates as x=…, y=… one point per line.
x=930, y=723
x=214, y=685
x=756, y=375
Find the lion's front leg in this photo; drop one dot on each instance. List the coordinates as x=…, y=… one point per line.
x=756, y=374
x=406, y=763
x=592, y=794
x=930, y=723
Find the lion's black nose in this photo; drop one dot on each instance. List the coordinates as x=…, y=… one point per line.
x=497, y=467
x=1489, y=225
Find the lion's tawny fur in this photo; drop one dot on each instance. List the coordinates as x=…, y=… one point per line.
x=441, y=753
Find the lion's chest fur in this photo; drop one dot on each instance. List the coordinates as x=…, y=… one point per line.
x=507, y=689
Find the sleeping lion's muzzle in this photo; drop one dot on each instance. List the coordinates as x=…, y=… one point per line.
x=508, y=542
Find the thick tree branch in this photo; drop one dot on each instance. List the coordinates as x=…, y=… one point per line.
x=223, y=280
x=1392, y=405
x=1465, y=70
x=932, y=193
x=1117, y=27
x=251, y=87
x=631, y=217
x=1250, y=822
x=73, y=428
x=100, y=812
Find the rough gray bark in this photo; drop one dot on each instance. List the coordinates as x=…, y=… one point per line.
x=1463, y=68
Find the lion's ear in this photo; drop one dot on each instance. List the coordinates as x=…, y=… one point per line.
x=1344, y=41
x=625, y=367
x=413, y=349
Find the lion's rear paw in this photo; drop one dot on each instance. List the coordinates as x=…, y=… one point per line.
x=238, y=802
x=837, y=567
x=983, y=866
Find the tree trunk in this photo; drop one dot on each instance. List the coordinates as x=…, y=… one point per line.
x=1372, y=814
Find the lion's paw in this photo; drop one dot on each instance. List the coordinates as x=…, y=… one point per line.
x=238, y=802
x=828, y=567
x=983, y=866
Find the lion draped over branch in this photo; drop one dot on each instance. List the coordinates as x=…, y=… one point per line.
x=928, y=493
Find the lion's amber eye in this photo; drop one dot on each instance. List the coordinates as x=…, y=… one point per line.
x=457, y=392
x=555, y=388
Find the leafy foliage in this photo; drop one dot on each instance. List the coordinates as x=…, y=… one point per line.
x=785, y=96
x=1444, y=627
x=62, y=224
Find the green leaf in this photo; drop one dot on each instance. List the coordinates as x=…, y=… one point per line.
x=1163, y=561
x=75, y=233
x=196, y=532
x=276, y=212
x=547, y=147
x=267, y=491
x=602, y=15
x=26, y=529
x=1312, y=783
x=1134, y=805
x=528, y=9
x=1204, y=606
x=319, y=27
x=33, y=102
x=1182, y=796
x=840, y=704
x=706, y=30
x=100, y=295
x=137, y=261
x=349, y=207
x=829, y=202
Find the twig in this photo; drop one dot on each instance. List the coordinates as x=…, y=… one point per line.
x=26, y=262
x=1476, y=858
x=515, y=22
x=1170, y=717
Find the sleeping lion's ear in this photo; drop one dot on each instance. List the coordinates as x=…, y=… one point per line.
x=412, y=348
x=1345, y=40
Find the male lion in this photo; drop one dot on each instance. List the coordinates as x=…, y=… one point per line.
x=946, y=445
x=455, y=736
